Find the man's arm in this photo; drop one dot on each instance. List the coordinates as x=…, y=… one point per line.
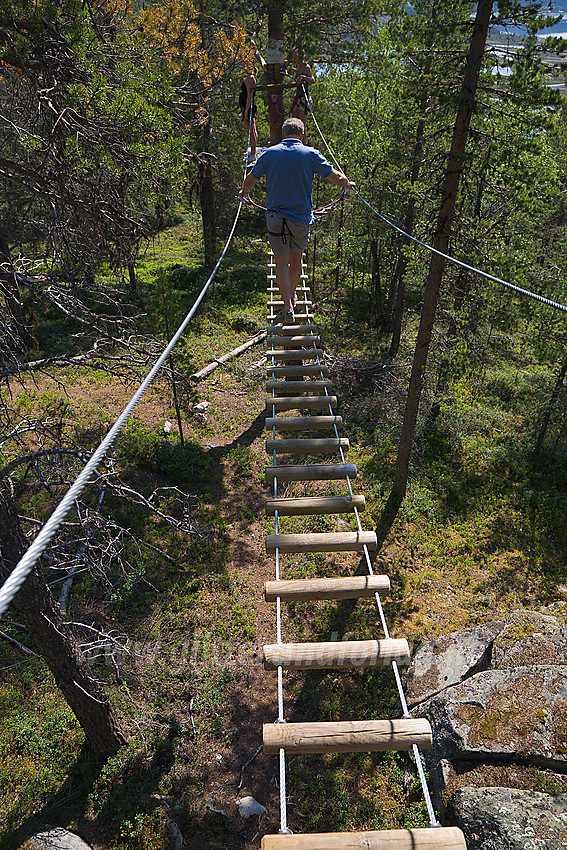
x=248, y=185
x=339, y=179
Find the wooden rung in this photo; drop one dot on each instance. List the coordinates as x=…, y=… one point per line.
x=336, y=654
x=291, y=341
x=299, y=369
x=428, y=838
x=347, y=736
x=301, y=402
x=298, y=386
x=299, y=288
x=312, y=589
x=297, y=316
x=312, y=472
x=315, y=446
x=313, y=505
x=295, y=353
x=290, y=330
x=336, y=541
x=303, y=423
x=299, y=303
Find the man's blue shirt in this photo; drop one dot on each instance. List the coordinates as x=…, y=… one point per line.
x=289, y=169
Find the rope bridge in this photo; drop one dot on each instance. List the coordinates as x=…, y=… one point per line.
x=289, y=347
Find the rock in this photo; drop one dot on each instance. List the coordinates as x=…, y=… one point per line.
x=509, y=819
x=200, y=407
x=175, y=833
x=518, y=714
x=212, y=807
x=449, y=660
x=542, y=648
x=167, y=426
x=56, y=838
x=519, y=626
x=201, y=418
x=248, y=806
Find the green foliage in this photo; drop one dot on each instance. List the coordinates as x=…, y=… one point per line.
x=187, y=464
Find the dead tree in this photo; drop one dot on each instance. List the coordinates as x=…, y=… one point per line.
x=55, y=642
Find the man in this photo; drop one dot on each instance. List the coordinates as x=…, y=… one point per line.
x=289, y=169
x=304, y=78
x=248, y=112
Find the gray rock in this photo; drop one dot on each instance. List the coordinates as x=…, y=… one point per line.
x=519, y=626
x=510, y=819
x=542, y=648
x=449, y=660
x=512, y=715
x=56, y=838
x=248, y=806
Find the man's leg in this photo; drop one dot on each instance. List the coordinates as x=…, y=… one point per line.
x=283, y=278
x=295, y=268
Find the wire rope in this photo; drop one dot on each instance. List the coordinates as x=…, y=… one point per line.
x=512, y=286
x=30, y=557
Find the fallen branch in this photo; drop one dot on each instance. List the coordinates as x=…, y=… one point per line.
x=218, y=361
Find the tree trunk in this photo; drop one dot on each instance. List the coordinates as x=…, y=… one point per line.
x=402, y=265
x=440, y=242
x=11, y=292
x=207, y=199
x=274, y=60
x=547, y=416
x=55, y=643
x=133, y=289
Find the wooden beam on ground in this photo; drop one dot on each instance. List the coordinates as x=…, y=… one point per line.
x=198, y=376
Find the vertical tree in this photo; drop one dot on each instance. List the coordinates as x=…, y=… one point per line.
x=441, y=239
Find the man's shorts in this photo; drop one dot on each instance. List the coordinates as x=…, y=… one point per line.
x=285, y=235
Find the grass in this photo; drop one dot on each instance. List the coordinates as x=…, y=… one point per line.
x=481, y=532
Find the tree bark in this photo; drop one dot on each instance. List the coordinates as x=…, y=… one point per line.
x=11, y=292
x=273, y=70
x=547, y=416
x=405, y=242
x=55, y=643
x=441, y=241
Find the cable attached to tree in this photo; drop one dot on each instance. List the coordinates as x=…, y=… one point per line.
x=548, y=301
x=30, y=557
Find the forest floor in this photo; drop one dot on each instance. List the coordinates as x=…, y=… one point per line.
x=479, y=535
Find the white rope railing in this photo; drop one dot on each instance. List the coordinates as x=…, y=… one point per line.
x=512, y=286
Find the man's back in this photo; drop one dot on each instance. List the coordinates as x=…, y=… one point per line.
x=289, y=169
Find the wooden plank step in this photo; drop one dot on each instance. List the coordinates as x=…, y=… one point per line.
x=312, y=589
x=299, y=317
x=299, y=369
x=278, y=303
x=314, y=446
x=314, y=505
x=298, y=386
x=331, y=541
x=301, y=402
x=300, y=288
x=295, y=353
x=293, y=341
x=290, y=330
x=303, y=423
x=347, y=736
x=426, y=838
x=311, y=472
x=336, y=654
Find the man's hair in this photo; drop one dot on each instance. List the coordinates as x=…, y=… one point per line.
x=293, y=127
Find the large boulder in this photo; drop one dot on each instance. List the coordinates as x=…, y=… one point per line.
x=513, y=715
x=522, y=630
x=449, y=660
x=510, y=819
x=56, y=838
